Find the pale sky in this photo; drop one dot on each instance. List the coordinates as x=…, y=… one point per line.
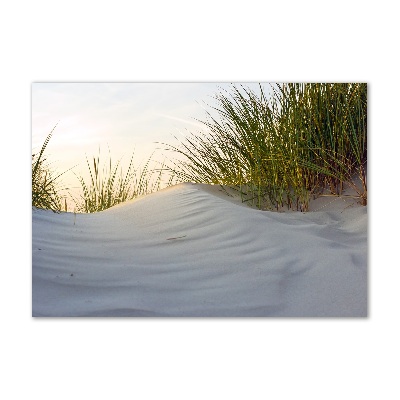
x=124, y=117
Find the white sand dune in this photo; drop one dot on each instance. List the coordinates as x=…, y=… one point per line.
x=187, y=251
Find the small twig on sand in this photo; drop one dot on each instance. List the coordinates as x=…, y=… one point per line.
x=178, y=237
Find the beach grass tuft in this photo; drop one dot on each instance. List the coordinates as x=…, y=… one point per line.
x=108, y=186
x=282, y=149
x=45, y=187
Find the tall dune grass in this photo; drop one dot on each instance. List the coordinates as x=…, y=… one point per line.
x=109, y=186
x=284, y=148
x=45, y=182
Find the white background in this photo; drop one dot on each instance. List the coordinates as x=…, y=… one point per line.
x=157, y=41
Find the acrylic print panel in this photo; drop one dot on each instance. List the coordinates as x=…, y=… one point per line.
x=199, y=200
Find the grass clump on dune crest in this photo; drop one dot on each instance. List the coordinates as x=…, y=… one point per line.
x=280, y=150
x=110, y=186
x=45, y=188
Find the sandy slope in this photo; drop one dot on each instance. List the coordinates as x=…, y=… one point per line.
x=188, y=251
